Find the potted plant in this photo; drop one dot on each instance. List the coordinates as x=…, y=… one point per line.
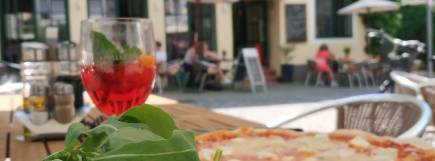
x=286, y=67
x=347, y=50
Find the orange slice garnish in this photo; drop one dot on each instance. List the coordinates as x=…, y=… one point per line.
x=148, y=61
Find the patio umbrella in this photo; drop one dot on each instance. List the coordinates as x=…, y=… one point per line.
x=369, y=6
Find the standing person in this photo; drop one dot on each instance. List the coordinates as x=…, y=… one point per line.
x=323, y=57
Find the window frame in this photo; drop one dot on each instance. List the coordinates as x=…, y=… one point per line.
x=313, y=25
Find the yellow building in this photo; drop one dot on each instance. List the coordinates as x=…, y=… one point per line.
x=231, y=25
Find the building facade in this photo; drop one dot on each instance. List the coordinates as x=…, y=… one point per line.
x=227, y=27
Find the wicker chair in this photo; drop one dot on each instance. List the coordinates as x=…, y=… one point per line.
x=382, y=114
x=427, y=90
x=405, y=83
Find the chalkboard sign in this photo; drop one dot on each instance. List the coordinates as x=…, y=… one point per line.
x=296, y=23
x=254, y=68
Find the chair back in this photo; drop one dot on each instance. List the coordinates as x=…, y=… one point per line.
x=393, y=115
x=353, y=67
x=311, y=64
x=383, y=118
x=385, y=115
x=403, y=84
x=428, y=93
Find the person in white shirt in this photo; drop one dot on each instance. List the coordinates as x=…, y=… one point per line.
x=161, y=58
x=161, y=55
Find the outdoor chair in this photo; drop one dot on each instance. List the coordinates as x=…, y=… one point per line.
x=367, y=71
x=312, y=70
x=416, y=85
x=382, y=114
x=403, y=84
x=427, y=90
x=353, y=72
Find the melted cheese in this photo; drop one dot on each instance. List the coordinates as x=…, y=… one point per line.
x=317, y=148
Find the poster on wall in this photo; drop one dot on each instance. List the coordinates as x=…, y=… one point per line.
x=296, y=23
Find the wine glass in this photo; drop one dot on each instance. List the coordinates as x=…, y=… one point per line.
x=117, y=62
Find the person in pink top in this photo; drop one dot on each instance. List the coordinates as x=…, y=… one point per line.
x=323, y=57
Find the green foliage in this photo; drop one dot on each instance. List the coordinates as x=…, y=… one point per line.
x=142, y=133
x=287, y=52
x=104, y=50
x=347, y=50
x=409, y=23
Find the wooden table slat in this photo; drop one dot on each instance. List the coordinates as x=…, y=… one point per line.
x=4, y=129
x=56, y=146
x=26, y=151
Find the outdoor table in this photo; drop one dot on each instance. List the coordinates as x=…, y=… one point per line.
x=186, y=116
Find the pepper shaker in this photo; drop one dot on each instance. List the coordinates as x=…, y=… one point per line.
x=64, y=102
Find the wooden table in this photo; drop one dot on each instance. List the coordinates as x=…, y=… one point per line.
x=186, y=116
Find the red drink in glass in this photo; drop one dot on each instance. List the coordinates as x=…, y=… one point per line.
x=116, y=88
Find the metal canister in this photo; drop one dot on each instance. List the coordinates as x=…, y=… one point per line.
x=67, y=51
x=39, y=113
x=64, y=111
x=33, y=51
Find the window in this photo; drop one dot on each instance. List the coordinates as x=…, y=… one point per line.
x=176, y=12
x=101, y=8
x=177, y=28
x=328, y=23
x=51, y=13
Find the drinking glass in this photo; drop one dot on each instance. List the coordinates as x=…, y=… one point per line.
x=117, y=62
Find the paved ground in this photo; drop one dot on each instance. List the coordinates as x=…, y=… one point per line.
x=277, y=94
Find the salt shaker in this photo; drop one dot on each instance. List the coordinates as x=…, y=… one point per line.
x=64, y=102
x=38, y=102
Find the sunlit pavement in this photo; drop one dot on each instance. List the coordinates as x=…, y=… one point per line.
x=277, y=94
x=281, y=100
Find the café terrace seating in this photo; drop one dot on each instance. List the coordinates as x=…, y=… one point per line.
x=393, y=115
x=415, y=85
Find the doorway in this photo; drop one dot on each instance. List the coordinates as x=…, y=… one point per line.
x=250, y=27
x=132, y=8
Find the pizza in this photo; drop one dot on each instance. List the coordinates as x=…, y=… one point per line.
x=247, y=144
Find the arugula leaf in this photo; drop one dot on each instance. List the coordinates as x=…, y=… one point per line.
x=177, y=147
x=74, y=132
x=156, y=119
x=97, y=137
x=142, y=133
x=217, y=155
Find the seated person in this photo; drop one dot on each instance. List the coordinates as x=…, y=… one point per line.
x=347, y=58
x=199, y=60
x=323, y=57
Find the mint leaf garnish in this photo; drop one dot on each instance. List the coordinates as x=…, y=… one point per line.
x=103, y=48
x=130, y=53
